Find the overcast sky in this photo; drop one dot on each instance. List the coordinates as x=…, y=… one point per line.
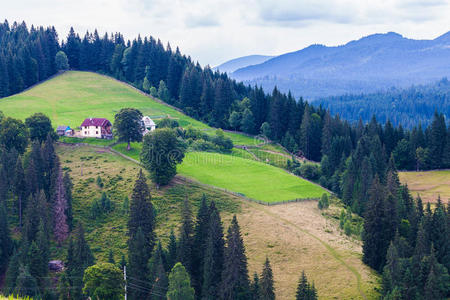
x=215, y=31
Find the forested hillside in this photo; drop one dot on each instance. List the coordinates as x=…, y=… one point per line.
x=407, y=107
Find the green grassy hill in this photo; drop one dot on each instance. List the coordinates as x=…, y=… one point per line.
x=252, y=179
x=73, y=96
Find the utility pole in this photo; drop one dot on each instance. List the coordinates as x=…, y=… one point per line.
x=125, y=280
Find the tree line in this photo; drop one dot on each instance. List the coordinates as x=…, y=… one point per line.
x=214, y=98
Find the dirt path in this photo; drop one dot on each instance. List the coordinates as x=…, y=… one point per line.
x=296, y=237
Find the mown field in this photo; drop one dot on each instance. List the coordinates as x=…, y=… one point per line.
x=428, y=184
x=295, y=237
x=73, y=96
x=250, y=178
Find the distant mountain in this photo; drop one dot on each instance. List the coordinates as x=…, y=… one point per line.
x=370, y=64
x=242, y=62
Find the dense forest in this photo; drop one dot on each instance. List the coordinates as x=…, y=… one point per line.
x=213, y=97
x=407, y=107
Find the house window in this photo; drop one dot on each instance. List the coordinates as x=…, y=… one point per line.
x=85, y=132
x=96, y=127
x=96, y=132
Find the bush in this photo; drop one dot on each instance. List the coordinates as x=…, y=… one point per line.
x=168, y=123
x=348, y=227
x=309, y=171
x=99, y=182
x=323, y=202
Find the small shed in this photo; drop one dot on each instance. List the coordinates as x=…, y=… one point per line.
x=149, y=124
x=61, y=130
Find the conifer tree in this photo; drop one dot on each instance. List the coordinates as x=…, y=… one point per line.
x=141, y=211
x=158, y=278
x=5, y=238
x=20, y=189
x=302, y=288
x=61, y=228
x=185, y=242
x=255, y=288
x=26, y=284
x=172, y=250
x=139, y=253
x=199, y=245
x=375, y=243
x=68, y=192
x=111, y=257
x=214, y=256
x=179, y=284
x=235, y=281
x=11, y=274
x=267, y=288
x=79, y=257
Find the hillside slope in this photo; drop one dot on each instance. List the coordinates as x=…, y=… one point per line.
x=295, y=237
x=73, y=96
x=368, y=64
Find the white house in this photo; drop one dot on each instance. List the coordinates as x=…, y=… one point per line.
x=149, y=125
x=96, y=127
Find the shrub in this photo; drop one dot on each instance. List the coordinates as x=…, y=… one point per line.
x=99, y=182
x=348, y=227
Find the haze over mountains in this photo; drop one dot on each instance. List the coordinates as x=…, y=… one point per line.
x=372, y=63
x=242, y=62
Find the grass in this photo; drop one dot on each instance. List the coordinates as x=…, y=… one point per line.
x=292, y=236
x=253, y=179
x=118, y=174
x=73, y=96
x=277, y=160
x=428, y=184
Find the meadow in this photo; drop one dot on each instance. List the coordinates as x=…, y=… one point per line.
x=428, y=184
x=73, y=96
x=295, y=237
x=252, y=179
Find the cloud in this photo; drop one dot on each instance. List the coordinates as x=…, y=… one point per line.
x=194, y=21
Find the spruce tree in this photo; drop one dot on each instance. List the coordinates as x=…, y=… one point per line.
x=141, y=211
x=68, y=192
x=172, y=249
x=302, y=288
x=11, y=274
x=267, y=288
x=185, y=242
x=235, y=281
x=199, y=245
x=20, y=189
x=158, y=278
x=255, y=288
x=214, y=256
x=26, y=284
x=374, y=242
x=139, y=254
x=5, y=238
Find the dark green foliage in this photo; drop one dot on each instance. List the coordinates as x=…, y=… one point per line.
x=185, y=242
x=79, y=257
x=61, y=61
x=213, y=256
x=167, y=123
x=255, y=289
x=5, y=239
x=141, y=211
x=199, y=245
x=161, y=152
x=158, y=279
x=305, y=291
x=172, y=250
x=139, y=253
x=235, y=281
x=128, y=125
x=13, y=134
x=11, y=274
x=68, y=189
x=39, y=126
x=26, y=284
x=111, y=257
x=266, y=283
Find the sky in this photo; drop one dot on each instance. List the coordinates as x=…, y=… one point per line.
x=213, y=32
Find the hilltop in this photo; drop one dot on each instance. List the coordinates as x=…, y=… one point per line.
x=369, y=64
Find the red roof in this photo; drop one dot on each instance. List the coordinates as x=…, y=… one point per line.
x=96, y=122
